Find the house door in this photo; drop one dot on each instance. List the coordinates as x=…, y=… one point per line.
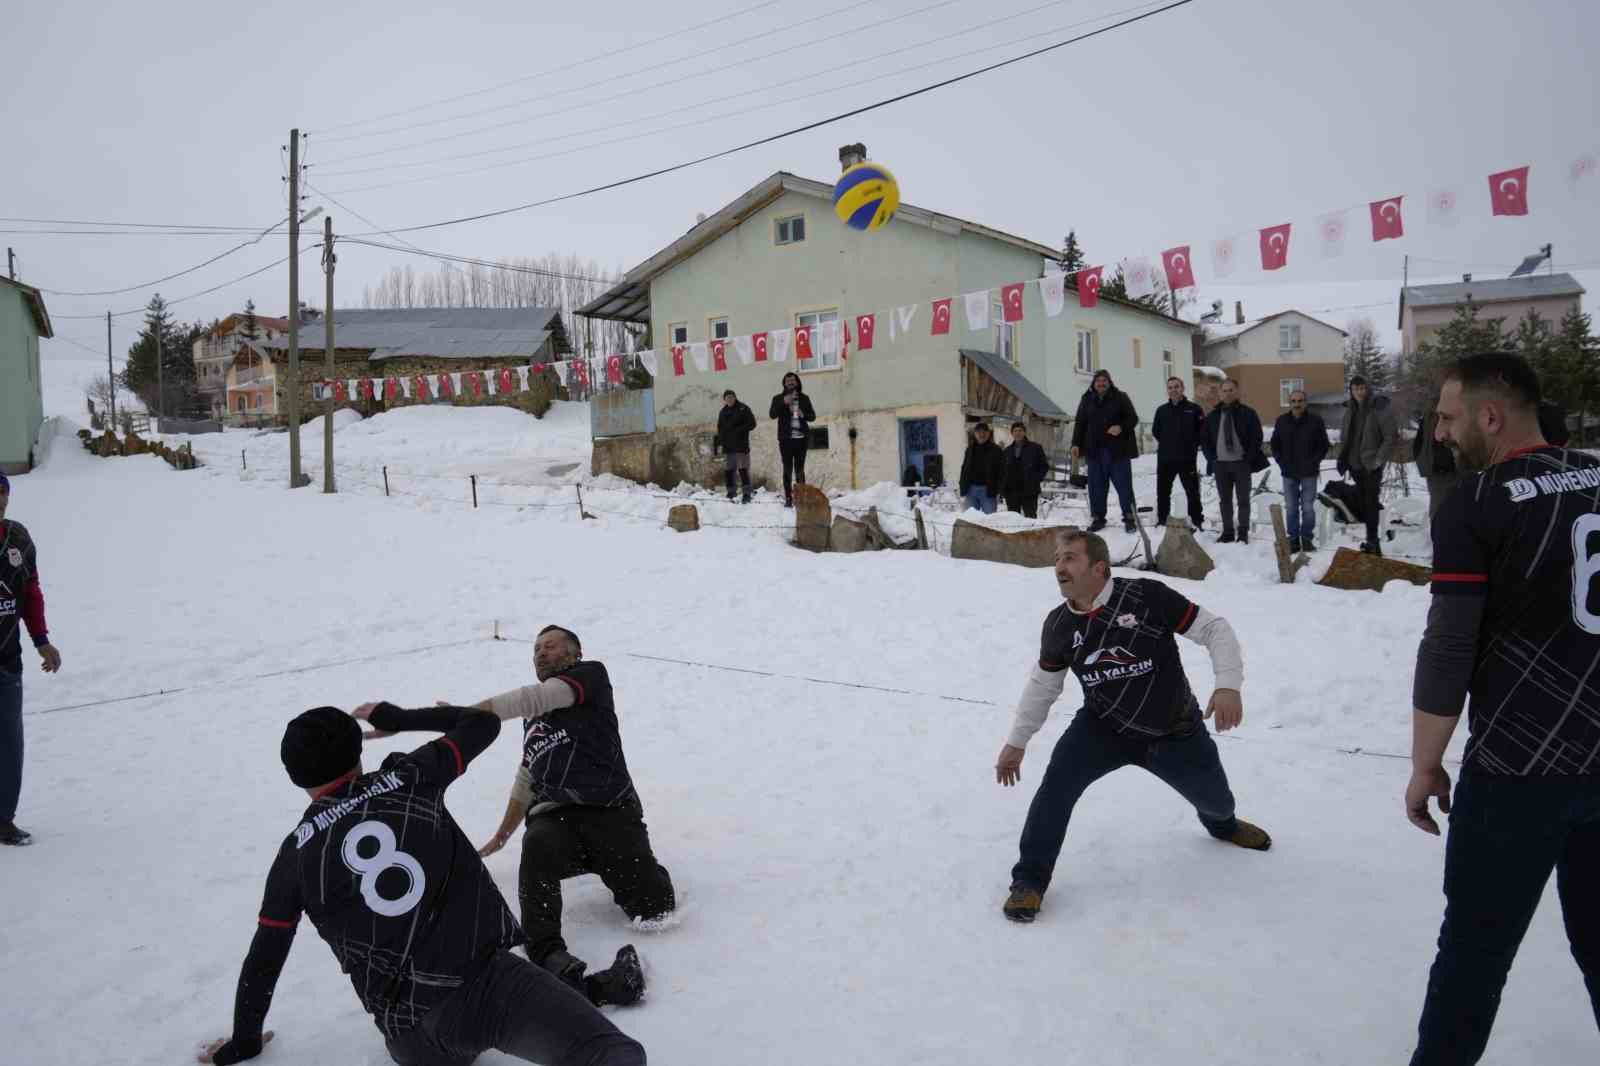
x=919, y=439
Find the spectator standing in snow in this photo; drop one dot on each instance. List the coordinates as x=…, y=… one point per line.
x=1299, y=444
x=1178, y=427
x=734, y=423
x=1232, y=445
x=794, y=414
x=21, y=603
x=1117, y=636
x=1364, y=443
x=1025, y=471
x=983, y=469
x=1105, y=433
x=1513, y=633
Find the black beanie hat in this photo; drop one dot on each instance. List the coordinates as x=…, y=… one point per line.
x=320, y=746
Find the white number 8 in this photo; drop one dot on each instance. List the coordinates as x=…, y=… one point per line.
x=387, y=858
x=1585, y=567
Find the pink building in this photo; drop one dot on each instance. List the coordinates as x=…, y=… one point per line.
x=1424, y=309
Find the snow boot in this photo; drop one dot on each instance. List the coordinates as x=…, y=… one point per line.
x=11, y=835
x=1245, y=835
x=1307, y=544
x=622, y=985
x=1226, y=538
x=569, y=968
x=728, y=480
x=744, y=483
x=1023, y=904
x=1097, y=525
x=1294, y=544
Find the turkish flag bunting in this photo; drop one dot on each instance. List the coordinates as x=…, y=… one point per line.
x=866, y=326
x=1089, y=286
x=719, y=355
x=614, y=369
x=365, y=388
x=580, y=370
x=339, y=393
x=1180, y=270
x=538, y=368
x=677, y=360
x=475, y=382
x=760, y=340
x=507, y=382
x=1275, y=247
x=941, y=317
x=1011, y=302
x=1508, y=191
x=1386, y=221
x=802, y=342
x=391, y=390
x=447, y=388
x=419, y=387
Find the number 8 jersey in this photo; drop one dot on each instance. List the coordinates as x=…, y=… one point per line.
x=1522, y=538
x=393, y=885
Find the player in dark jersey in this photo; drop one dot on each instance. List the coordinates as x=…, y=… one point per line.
x=1515, y=628
x=21, y=603
x=1116, y=635
x=400, y=895
x=582, y=813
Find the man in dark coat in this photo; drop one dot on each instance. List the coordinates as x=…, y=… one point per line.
x=734, y=423
x=1025, y=470
x=1178, y=427
x=794, y=414
x=983, y=468
x=1299, y=444
x=1434, y=462
x=1232, y=443
x=1364, y=442
x=1105, y=433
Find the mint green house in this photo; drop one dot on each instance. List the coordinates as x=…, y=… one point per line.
x=23, y=320
x=777, y=258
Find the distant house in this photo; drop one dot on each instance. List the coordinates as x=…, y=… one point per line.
x=777, y=258
x=214, y=352
x=399, y=343
x=23, y=320
x=1424, y=309
x=1271, y=358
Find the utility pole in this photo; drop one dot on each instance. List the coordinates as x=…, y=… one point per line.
x=161, y=391
x=111, y=377
x=11, y=264
x=327, y=314
x=296, y=479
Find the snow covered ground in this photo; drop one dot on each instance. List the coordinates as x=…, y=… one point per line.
x=832, y=821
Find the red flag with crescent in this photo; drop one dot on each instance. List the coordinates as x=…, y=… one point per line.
x=941, y=317
x=1089, y=286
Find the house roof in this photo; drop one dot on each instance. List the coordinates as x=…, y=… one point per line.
x=445, y=333
x=35, y=301
x=1012, y=380
x=1216, y=334
x=1489, y=291
x=629, y=299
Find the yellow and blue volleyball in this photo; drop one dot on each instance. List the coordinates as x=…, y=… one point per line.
x=866, y=197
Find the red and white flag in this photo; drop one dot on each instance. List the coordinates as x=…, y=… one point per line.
x=446, y=387
x=977, y=308
x=941, y=317
x=391, y=390
x=1180, y=270
x=1053, y=293
x=580, y=370
x=1331, y=231
x=759, y=342
x=1444, y=207
x=719, y=355
x=340, y=395
x=744, y=350
x=826, y=338
x=563, y=368
x=1011, y=302
x=778, y=342
x=419, y=387
x=802, y=342
x=648, y=361
x=1275, y=247
x=614, y=369
x=365, y=389
x=699, y=355
x=1089, y=286
x=507, y=382
x=1508, y=191
x=1139, y=278
x=1224, y=254
x=902, y=318
x=866, y=326
x=1386, y=221
x=677, y=360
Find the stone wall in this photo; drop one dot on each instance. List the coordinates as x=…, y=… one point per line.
x=536, y=399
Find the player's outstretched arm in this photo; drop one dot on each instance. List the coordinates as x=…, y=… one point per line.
x=1214, y=634
x=467, y=731
x=516, y=811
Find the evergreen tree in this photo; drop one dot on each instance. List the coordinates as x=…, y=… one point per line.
x=1570, y=371
x=1364, y=356
x=251, y=328
x=177, y=374
x=1422, y=372
x=1072, y=259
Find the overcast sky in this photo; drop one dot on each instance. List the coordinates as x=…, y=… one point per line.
x=1216, y=118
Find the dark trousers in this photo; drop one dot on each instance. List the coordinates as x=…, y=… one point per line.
x=794, y=463
x=1165, y=472
x=1368, y=485
x=1506, y=835
x=10, y=744
x=1024, y=503
x=1089, y=750
x=568, y=841
x=1233, y=486
x=518, y=1008
x=1106, y=470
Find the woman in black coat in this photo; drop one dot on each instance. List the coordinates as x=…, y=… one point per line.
x=794, y=414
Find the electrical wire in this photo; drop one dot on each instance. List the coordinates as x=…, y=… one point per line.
x=258, y=238
x=830, y=120
x=127, y=225
x=196, y=295
x=469, y=261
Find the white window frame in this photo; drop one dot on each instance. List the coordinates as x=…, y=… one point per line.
x=1287, y=386
x=1289, y=331
x=821, y=361
x=678, y=332
x=783, y=230
x=1085, y=350
x=1007, y=337
x=1166, y=361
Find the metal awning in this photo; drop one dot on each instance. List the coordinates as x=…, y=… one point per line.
x=628, y=301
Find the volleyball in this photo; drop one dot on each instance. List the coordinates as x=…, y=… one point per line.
x=866, y=197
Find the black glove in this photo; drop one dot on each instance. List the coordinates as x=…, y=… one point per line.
x=236, y=1050
x=1342, y=468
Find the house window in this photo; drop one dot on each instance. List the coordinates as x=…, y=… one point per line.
x=679, y=331
x=824, y=354
x=717, y=328
x=1289, y=338
x=258, y=401
x=1166, y=361
x=1288, y=385
x=819, y=438
x=1084, y=360
x=1138, y=354
x=1005, y=333
x=791, y=230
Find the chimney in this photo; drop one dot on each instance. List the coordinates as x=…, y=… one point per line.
x=1466, y=278
x=700, y=216
x=1238, y=312
x=851, y=154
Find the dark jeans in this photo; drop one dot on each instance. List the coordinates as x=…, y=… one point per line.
x=1368, y=485
x=1026, y=503
x=794, y=463
x=1299, y=507
x=1233, y=485
x=10, y=744
x=516, y=1007
x=1190, y=477
x=1089, y=750
x=1506, y=835
x=1106, y=470
x=568, y=841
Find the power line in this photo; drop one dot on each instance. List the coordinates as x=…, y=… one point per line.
x=78, y=344
x=554, y=70
x=127, y=225
x=469, y=261
x=213, y=234
x=196, y=295
x=853, y=112
x=150, y=284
